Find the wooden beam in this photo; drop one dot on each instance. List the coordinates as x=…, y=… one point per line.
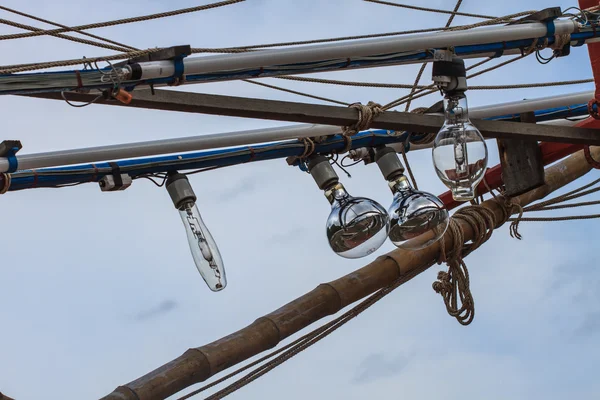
x=330, y=115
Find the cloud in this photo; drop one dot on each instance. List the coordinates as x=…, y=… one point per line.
x=379, y=366
x=78, y=260
x=159, y=310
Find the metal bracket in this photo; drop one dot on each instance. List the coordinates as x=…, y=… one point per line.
x=522, y=164
x=8, y=149
x=169, y=53
x=544, y=15
x=112, y=183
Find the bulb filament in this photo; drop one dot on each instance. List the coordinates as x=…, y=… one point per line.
x=203, y=244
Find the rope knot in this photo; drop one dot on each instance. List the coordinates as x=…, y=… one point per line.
x=442, y=285
x=454, y=284
x=366, y=114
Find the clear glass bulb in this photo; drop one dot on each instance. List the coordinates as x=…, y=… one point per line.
x=356, y=226
x=417, y=219
x=459, y=151
x=204, y=249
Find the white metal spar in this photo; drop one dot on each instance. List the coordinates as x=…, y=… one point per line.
x=353, y=49
x=220, y=140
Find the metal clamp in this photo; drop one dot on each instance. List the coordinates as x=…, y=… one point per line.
x=9, y=149
x=116, y=181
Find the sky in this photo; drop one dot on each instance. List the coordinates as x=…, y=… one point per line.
x=98, y=289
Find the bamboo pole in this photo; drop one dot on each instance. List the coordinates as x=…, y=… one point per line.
x=199, y=364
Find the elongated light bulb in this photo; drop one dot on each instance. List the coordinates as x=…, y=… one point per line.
x=459, y=151
x=204, y=249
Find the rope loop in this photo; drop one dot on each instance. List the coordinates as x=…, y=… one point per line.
x=347, y=145
x=309, y=149
x=421, y=138
x=7, y=181
x=454, y=284
x=561, y=41
x=366, y=114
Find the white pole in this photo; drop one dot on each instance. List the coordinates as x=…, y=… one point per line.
x=517, y=107
x=220, y=140
x=167, y=146
x=353, y=50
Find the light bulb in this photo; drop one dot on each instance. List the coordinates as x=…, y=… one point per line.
x=356, y=226
x=459, y=150
x=417, y=219
x=202, y=245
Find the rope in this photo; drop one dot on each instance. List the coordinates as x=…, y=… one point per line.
x=480, y=219
x=563, y=206
x=561, y=41
x=556, y=219
x=366, y=113
x=122, y=21
x=64, y=26
x=296, y=92
x=9, y=69
x=453, y=13
x=58, y=35
x=408, y=168
x=423, y=138
x=454, y=285
x=424, y=65
x=411, y=95
x=423, y=92
x=65, y=63
x=551, y=204
x=407, y=86
x=240, y=49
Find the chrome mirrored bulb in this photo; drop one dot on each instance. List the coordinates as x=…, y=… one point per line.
x=459, y=151
x=356, y=226
x=417, y=219
x=204, y=249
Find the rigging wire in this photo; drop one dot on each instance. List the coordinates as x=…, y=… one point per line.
x=381, y=85
x=124, y=46
x=497, y=21
x=122, y=21
x=433, y=10
x=63, y=63
x=296, y=92
x=61, y=36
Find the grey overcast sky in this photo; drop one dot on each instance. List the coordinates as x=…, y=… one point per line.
x=98, y=289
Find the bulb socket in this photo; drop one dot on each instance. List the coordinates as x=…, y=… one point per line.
x=388, y=162
x=450, y=75
x=322, y=172
x=179, y=189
